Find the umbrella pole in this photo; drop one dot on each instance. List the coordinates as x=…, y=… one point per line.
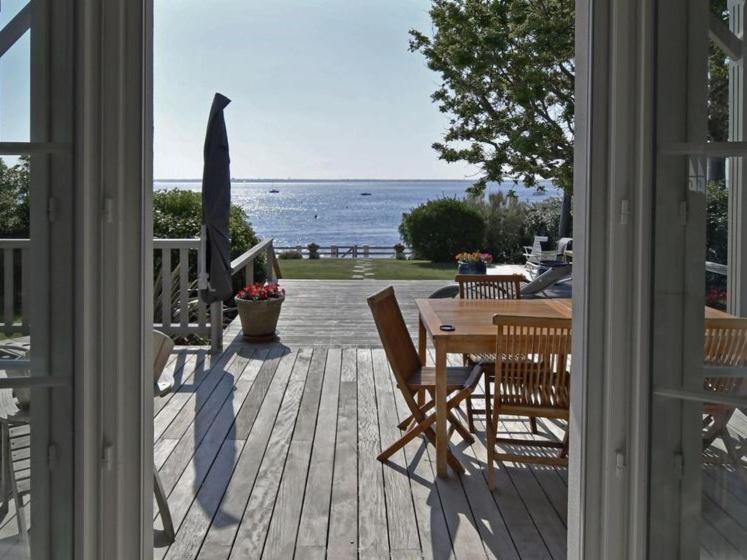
x=216, y=308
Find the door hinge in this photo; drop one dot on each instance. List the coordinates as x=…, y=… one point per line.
x=620, y=463
x=108, y=210
x=624, y=212
x=52, y=209
x=52, y=456
x=107, y=456
x=679, y=465
x=683, y=213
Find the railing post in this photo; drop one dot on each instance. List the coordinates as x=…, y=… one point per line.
x=365, y=251
x=249, y=273
x=355, y=251
x=270, y=258
x=216, y=326
x=333, y=251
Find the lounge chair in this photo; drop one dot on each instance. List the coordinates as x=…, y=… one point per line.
x=554, y=274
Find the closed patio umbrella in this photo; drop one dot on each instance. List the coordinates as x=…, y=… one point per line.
x=215, y=265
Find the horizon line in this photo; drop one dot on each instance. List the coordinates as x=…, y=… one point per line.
x=302, y=179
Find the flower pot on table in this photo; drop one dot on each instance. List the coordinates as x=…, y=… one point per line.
x=472, y=268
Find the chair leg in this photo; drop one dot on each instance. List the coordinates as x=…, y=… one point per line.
x=486, y=381
x=459, y=427
x=533, y=424
x=491, y=454
x=163, y=506
x=470, y=415
x=564, y=449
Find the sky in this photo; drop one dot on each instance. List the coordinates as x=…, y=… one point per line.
x=320, y=89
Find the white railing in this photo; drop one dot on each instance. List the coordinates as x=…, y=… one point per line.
x=177, y=307
x=717, y=268
x=14, y=259
x=353, y=251
x=245, y=262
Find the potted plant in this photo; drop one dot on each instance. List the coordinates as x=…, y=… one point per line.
x=473, y=263
x=259, y=309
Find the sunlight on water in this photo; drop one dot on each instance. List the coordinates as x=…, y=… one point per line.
x=336, y=212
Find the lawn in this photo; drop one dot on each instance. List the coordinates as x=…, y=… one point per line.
x=383, y=269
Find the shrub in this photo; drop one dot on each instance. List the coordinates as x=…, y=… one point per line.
x=439, y=229
x=292, y=254
x=505, y=233
x=542, y=218
x=717, y=221
x=14, y=198
x=177, y=213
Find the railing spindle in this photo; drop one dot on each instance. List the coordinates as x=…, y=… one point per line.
x=25, y=290
x=201, y=307
x=8, y=289
x=166, y=287
x=184, y=287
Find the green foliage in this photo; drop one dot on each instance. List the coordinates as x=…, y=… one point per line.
x=292, y=254
x=717, y=221
x=507, y=80
x=14, y=198
x=543, y=218
x=504, y=218
x=177, y=213
x=511, y=224
x=439, y=229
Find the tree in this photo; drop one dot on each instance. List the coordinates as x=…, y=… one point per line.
x=14, y=198
x=507, y=80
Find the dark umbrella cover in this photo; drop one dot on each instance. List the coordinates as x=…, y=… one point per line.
x=216, y=205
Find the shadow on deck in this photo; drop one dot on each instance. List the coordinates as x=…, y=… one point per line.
x=268, y=451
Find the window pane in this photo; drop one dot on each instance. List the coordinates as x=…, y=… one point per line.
x=723, y=529
x=15, y=77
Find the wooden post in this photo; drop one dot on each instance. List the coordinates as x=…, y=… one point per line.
x=216, y=327
x=249, y=273
x=333, y=251
x=355, y=251
x=736, y=279
x=365, y=251
x=270, y=260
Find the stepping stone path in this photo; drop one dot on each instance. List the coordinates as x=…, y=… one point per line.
x=363, y=269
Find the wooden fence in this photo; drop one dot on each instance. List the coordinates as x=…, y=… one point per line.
x=352, y=251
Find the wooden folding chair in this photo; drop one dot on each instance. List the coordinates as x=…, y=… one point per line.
x=484, y=286
x=725, y=347
x=163, y=384
x=416, y=382
x=536, y=388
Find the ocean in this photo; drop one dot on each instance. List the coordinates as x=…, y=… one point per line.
x=337, y=212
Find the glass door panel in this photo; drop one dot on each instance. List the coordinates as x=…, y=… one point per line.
x=36, y=336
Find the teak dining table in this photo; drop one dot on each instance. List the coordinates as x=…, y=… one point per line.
x=474, y=333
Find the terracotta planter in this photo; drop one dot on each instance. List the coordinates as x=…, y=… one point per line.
x=259, y=319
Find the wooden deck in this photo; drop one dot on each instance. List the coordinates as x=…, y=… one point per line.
x=268, y=451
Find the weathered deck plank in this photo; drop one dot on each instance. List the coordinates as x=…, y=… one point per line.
x=270, y=451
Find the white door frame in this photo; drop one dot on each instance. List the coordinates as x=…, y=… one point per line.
x=607, y=490
x=113, y=279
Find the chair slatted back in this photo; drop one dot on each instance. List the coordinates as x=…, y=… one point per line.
x=484, y=286
x=725, y=346
x=534, y=369
x=398, y=345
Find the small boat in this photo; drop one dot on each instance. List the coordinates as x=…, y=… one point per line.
x=274, y=191
x=365, y=194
